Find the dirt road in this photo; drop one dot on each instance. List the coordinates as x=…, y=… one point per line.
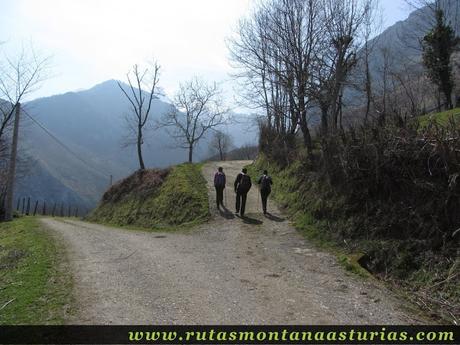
x=228, y=271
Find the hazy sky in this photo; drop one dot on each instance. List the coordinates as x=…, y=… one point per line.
x=94, y=40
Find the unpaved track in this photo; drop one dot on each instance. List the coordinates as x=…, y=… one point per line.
x=228, y=271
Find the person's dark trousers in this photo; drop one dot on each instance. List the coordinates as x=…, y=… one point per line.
x=241, y=202
x=219, y=196
x=264, y=195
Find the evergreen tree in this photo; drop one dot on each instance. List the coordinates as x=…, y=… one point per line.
x=438, y=46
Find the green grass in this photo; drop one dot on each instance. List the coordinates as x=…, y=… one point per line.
x=441, y=118
x=351, y=264
x=179, y=202
x=31, y=278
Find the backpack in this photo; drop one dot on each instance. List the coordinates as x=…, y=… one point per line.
x=265, y=183
x=245, y=183
x=219, y=180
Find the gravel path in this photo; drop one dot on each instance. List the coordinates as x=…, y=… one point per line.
x=228, y=271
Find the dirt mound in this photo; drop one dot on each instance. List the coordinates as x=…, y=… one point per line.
x=155, y=199
x=142, y=183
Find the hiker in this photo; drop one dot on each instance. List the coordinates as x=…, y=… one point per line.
x=219, y=184
x=265, y=183
x=242, y=186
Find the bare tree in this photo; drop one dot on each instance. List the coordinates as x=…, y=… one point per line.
x=413, y=89
x=248, y=151
x=337, y=56
x=385, y=84
x=274, y=52
x=19, y=76
x=140, y=79
x=197, y=108
x=297, y=55
x=221, y=143
x=371, y=27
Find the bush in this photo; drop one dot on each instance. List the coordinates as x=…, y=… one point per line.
x=278, y=147
x=405, y=177
x=390, y=193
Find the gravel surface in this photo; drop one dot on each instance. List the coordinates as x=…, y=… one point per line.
x=258, y=270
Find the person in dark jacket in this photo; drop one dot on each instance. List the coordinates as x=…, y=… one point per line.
x=219, y=184
x=242, y=186
x=265, y=183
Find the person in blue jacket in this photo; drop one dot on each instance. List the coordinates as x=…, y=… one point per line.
x=219, y=185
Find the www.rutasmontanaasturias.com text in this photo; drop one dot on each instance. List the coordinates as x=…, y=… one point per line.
x=291, y=336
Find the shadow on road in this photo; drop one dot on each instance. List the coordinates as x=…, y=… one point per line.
x=274, y=218
x=226, y=213
x=251, y=221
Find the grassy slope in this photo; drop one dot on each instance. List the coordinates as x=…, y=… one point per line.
x=441, y=118
x=306, y=200
x=181, y=199
x=30, y=276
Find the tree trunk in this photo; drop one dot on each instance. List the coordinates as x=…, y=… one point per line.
x=221, y=153
x=306, y=136
x=190, y=154
x=448, y=96
x=324, y=123
x=139, y=149
x=303, y=120
x=12, y=167
x=368, y=84
x=438, y=100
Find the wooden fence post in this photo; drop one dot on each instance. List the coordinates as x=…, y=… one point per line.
x=76, y=212
x=54, y=209
x=62, y=210
x=44, y=208
x=28, y=206
x=23, y=205
x=18, y=205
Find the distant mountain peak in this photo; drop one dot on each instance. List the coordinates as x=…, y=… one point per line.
x=111, y=83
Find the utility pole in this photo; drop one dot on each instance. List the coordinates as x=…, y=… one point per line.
x=12, y=167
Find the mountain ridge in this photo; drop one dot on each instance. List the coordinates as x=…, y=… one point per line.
x=90, y=125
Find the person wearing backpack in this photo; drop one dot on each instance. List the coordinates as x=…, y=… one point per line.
x=265, y=183
x=242, y=186
x=219, y=184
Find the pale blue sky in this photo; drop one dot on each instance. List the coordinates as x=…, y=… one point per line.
x=94, y=40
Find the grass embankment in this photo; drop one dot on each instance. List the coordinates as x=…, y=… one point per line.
x=156, y=199
x=33, y=287
x=325, y=216
x=441, y=118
